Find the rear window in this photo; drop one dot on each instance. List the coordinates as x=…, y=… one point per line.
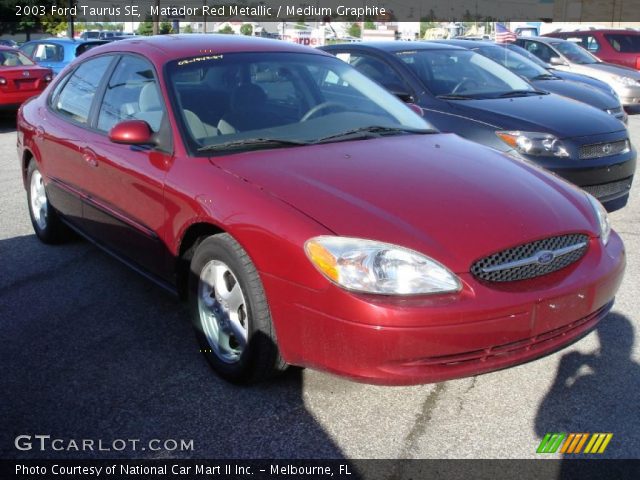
x=14, y=59
x=624, y=43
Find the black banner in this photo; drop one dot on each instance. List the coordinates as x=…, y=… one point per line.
x=337, y=469
x=614, y=13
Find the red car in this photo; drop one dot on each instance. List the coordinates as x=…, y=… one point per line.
x=20, y=78
x=308, y=216
x=613, y=46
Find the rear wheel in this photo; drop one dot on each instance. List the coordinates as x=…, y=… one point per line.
x=230, y=313
x=44, y=217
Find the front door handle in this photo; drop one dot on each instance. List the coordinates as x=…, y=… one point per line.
x=90, y=157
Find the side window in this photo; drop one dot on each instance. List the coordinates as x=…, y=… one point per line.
x=132, y=94
x=48, y=52
x=540, y=50
x=28, y=49
x=377, y=70
x=592, y=44
x=76, y=96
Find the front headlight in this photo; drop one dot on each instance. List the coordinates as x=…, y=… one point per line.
x=626, y=81
x=377, y=267
x=602, y=217
x=534, y=143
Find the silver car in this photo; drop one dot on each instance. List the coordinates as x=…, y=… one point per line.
x=567, y=56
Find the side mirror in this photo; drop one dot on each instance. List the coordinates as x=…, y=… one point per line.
x=403, y=95
x=557, y=61
x=132, y=132
x=416, y=109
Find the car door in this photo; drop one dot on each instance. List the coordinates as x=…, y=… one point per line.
x=124, y=209
x=61, y=136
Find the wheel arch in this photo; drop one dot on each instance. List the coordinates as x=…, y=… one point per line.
x=27, y=156
x=191, y=238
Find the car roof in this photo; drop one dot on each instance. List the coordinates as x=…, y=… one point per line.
x=597, y=30
x=191, y=45
x=459, y=42
x=545, y=39
x=64, y=40
x=396, y=46
x=6, y=48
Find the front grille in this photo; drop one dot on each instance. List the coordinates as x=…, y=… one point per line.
x=608, y=189
x=605, y=149
x=531, y=259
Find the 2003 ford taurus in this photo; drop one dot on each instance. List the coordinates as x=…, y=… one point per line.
x=308, y=216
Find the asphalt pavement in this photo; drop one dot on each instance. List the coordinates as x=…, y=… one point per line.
x=91, y=350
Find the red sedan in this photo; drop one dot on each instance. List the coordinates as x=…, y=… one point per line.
x=20, y=78
x=308, y=216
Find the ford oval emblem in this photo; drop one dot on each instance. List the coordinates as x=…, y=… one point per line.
x=545, y=257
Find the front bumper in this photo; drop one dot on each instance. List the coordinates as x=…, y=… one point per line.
x=608, y=178
x=629, y=96
x=412, y=340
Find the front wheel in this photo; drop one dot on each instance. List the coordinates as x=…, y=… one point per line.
x=44, y=218
x=230, y=313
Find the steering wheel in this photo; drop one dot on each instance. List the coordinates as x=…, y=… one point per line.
x=321, y=106
x=463, y=82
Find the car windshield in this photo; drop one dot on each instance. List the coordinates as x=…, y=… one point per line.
x=574, y=53
x=624, y=42
x=463, y=74
x=514, y=62
x=14, y=59
x=240, y=101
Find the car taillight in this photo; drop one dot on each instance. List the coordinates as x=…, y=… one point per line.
x=48, y=77
x=638, y=63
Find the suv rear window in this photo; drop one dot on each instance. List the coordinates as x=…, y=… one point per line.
x=624, y=43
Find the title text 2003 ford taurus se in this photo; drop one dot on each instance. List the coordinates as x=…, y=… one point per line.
x=309, y=216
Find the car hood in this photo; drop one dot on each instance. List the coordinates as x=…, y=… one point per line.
x=449, y=198
x=563, y=117
x=578, y=91
x=604, y=71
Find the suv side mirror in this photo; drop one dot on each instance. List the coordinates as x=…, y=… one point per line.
x=132, y=132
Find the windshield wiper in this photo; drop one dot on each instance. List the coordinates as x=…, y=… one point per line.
x=545, y=76
x=373, y=131
x=252, y=142
x=454, y=96
x=521, y=93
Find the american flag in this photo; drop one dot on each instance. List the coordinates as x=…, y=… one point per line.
x=504, y=35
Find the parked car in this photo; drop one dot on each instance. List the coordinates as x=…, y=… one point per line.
x=621, y=47
x=20, y=78
x=468, y=94
x=90, y=34
x=566, y=55
x=7, y=42
x=543, y=79
x=56, y=53
x=310, y=217
x=564, y=75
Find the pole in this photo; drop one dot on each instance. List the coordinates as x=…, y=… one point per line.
x=70, y=26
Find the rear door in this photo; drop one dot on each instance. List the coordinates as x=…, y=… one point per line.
x=61, y=136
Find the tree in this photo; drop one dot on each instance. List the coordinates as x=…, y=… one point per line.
x=246, y=29
x=187, y=29
x=165, y=28
x=53, y=25
x=369, y=25
x=145, y=28
x=227, y=29
x=355, y=30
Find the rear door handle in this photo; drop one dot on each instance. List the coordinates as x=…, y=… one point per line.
x=90, y=157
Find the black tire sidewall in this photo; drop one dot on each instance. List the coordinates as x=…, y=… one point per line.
x=220, y=247
x=47, y=233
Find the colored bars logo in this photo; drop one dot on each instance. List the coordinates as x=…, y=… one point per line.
x=573, y=442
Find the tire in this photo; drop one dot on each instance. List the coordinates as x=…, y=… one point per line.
x=230, y=313
x=44, y=218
